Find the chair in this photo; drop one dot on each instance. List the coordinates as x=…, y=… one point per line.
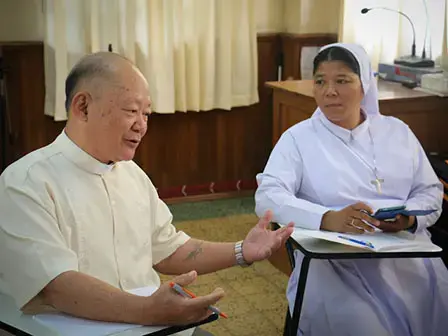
x=289, y=244
x=439, y=231
x=290, y=249
x=313, y=251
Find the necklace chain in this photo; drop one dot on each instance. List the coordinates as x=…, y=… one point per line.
x=377, y=180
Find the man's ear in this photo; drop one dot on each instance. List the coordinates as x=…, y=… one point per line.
x=80, y=105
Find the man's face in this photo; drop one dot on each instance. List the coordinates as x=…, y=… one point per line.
x=119, y=119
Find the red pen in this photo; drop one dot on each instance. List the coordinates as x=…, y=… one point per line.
x=186, y=293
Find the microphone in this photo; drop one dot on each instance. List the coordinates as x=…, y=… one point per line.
x=413, y=60
x=426, y=33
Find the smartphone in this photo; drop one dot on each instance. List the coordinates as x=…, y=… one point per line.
x=388, y=213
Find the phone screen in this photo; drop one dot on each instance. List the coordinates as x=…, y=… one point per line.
x=391, y=209
x=388, y=213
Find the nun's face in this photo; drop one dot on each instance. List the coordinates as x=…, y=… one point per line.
x=338, y=92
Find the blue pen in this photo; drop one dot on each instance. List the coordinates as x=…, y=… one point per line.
x=364, y=243
x=186, y=293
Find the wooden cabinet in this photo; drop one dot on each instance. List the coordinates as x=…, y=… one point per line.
x=426, y=114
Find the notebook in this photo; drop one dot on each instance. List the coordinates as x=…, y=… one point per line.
x=72, y=326
x=377, y=241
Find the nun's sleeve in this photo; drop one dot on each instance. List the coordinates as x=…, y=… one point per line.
x=426, y=191
x=279, y=184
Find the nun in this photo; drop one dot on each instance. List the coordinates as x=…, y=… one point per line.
x=327, y=173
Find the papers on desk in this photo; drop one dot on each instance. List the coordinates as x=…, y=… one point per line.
x=377, y=241
x=72, y=326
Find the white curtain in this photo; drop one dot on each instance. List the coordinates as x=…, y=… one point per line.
x=386, y=35
x=197, y=55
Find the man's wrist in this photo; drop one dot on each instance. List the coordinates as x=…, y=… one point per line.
x=140, y=310
x=239, y=257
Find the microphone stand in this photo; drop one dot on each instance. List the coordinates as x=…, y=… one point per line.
x=426, y=33
x=411, y=60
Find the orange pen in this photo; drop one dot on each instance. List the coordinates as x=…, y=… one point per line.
x=186, y=293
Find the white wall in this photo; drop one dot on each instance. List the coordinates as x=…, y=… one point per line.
x=21, y=20
x=298, y=16
x=311, y=16
x=269, y=15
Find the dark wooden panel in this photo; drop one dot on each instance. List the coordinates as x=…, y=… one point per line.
x=194, y=148
x=288, y=110
x=4, y=128
x=197, y=148
x=425, y=114
x=292, y=45
x=24, y=80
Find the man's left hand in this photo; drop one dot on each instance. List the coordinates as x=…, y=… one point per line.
x=399, y=224
x=261, y=242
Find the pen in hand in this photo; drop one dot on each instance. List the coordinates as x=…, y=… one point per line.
x=188, y=294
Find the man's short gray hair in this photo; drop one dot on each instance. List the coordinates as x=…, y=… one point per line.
x=98, y=65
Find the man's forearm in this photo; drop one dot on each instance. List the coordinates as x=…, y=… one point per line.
x=83, y=296
x=201, y=256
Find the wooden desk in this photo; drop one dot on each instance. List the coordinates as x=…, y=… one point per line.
x=426, y=114
x=314, y=248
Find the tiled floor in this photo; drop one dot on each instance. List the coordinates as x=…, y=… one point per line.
x=255, y=296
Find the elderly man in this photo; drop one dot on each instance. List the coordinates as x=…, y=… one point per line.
x=81, y=223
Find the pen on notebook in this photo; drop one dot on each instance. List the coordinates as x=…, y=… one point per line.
x=360, y=242
x=186, y=293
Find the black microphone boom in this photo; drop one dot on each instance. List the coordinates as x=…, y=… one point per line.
x=413, y=60
x=366, y=10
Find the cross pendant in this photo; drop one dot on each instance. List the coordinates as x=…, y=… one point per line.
x=377, y=183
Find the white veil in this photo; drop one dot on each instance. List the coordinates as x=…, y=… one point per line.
x=369, y=103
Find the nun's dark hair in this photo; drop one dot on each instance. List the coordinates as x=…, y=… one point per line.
x=337, y=54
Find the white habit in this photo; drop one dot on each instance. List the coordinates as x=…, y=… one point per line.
x=310, y=172
x=317, y=166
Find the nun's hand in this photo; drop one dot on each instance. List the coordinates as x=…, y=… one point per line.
x=352, y=219
x=400, y=223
